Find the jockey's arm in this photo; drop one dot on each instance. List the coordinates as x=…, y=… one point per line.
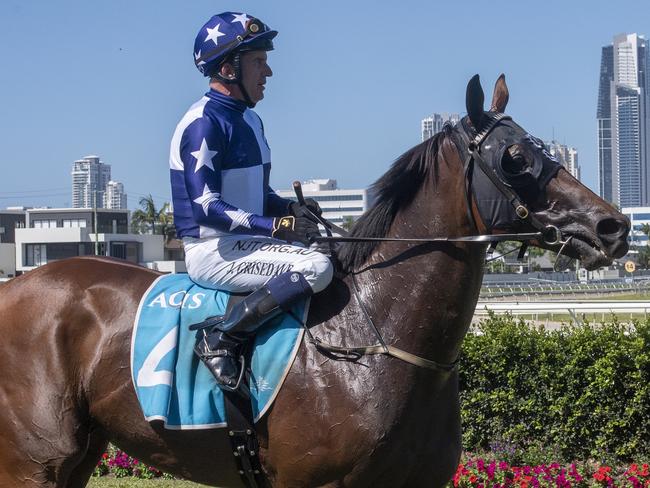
x=276, y=206
x=202, y=174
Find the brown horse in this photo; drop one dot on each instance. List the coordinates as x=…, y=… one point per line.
x=66, y=387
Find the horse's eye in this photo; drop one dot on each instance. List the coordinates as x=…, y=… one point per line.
x=514, y=161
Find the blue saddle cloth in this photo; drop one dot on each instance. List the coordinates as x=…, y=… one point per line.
x=171, y=383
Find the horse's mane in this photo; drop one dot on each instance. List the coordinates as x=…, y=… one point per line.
x=393, y=191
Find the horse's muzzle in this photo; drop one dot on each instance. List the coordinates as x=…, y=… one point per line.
x=613, y=232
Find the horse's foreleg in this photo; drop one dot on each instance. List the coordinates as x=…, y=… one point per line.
x=97, y=443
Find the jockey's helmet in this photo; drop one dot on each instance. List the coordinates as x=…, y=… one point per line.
x=224, y=37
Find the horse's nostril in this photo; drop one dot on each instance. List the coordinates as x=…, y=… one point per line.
x=611, y=227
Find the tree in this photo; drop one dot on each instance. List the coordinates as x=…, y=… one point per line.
x=149, y=219
x=348, y=222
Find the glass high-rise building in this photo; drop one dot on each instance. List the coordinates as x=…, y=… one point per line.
x=624, y=122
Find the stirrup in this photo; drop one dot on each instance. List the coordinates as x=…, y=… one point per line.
x=242, y=369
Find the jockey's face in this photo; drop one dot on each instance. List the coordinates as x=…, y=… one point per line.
x=254, y=72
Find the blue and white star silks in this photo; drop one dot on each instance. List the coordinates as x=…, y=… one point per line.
x=241, y=18
x=239, y=218
x=214, y=35
x=206, y=197
x=219, y=167
x=196, y=58
x=224, y=32
x=203, y=156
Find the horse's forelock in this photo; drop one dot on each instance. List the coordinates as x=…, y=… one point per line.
x=393, y=191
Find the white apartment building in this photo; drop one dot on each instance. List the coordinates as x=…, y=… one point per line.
x=338, y=205
x=566, y=155
x=638, y=217
x=433, y=124
x=114, y=197
x=89, y=179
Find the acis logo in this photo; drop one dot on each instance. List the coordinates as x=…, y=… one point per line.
x=180, y=299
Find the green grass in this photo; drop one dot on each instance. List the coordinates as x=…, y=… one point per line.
x=638, y=296
x=109, y=482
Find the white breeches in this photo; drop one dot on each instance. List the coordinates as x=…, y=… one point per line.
x=241, y=264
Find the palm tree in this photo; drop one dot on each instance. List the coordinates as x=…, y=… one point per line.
x=152, y=220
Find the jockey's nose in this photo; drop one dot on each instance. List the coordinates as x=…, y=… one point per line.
x=613, y=234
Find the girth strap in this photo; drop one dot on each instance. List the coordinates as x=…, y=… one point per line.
x=357, y=352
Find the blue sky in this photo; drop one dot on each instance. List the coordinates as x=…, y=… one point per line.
x=352, y=82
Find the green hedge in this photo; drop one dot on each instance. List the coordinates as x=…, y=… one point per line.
x=582, y=392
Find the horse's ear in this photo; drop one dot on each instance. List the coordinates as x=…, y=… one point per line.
x=500, y=96
x=474, y=101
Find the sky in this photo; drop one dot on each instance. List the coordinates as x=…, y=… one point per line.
x=352, y=81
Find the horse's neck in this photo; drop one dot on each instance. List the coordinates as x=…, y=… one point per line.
x=422, y=297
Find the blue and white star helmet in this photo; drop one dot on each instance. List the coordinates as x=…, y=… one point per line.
x=226, y=33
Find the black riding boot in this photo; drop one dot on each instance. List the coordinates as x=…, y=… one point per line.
x=221, y=348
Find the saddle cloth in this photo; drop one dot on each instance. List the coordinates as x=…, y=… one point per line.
x=171, y=383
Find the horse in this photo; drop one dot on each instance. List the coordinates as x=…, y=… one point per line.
x=373, y=420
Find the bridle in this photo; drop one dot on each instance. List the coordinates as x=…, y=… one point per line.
x=549, y=234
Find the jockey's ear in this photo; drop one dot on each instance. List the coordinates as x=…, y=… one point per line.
x=474, y=101
x=500, y=96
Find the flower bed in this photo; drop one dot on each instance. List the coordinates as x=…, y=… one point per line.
x=482, y=473
x=119, y=464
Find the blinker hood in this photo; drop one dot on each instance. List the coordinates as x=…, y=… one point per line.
x=527, y=181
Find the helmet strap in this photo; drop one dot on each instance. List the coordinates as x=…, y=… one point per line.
x=237, y=79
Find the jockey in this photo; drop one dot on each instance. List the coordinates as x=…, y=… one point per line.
x=238, y=234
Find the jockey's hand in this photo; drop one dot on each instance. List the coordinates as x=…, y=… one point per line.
x=295, y=229
x=298, y=210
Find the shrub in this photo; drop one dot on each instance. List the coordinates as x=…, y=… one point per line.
x=581, y=392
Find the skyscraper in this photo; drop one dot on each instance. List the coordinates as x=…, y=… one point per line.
x=624, y=122
x=566, y=155
x=433, y=124
x=115, y=197
x=89, y=179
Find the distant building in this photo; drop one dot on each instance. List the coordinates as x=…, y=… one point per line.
x=89, y=179
x=566, y=155
x=338, y=205
x=623, y=116
x=638, y=217
x=10, y=220
x=433, y=124
x=57, y=233
x=114, y=197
